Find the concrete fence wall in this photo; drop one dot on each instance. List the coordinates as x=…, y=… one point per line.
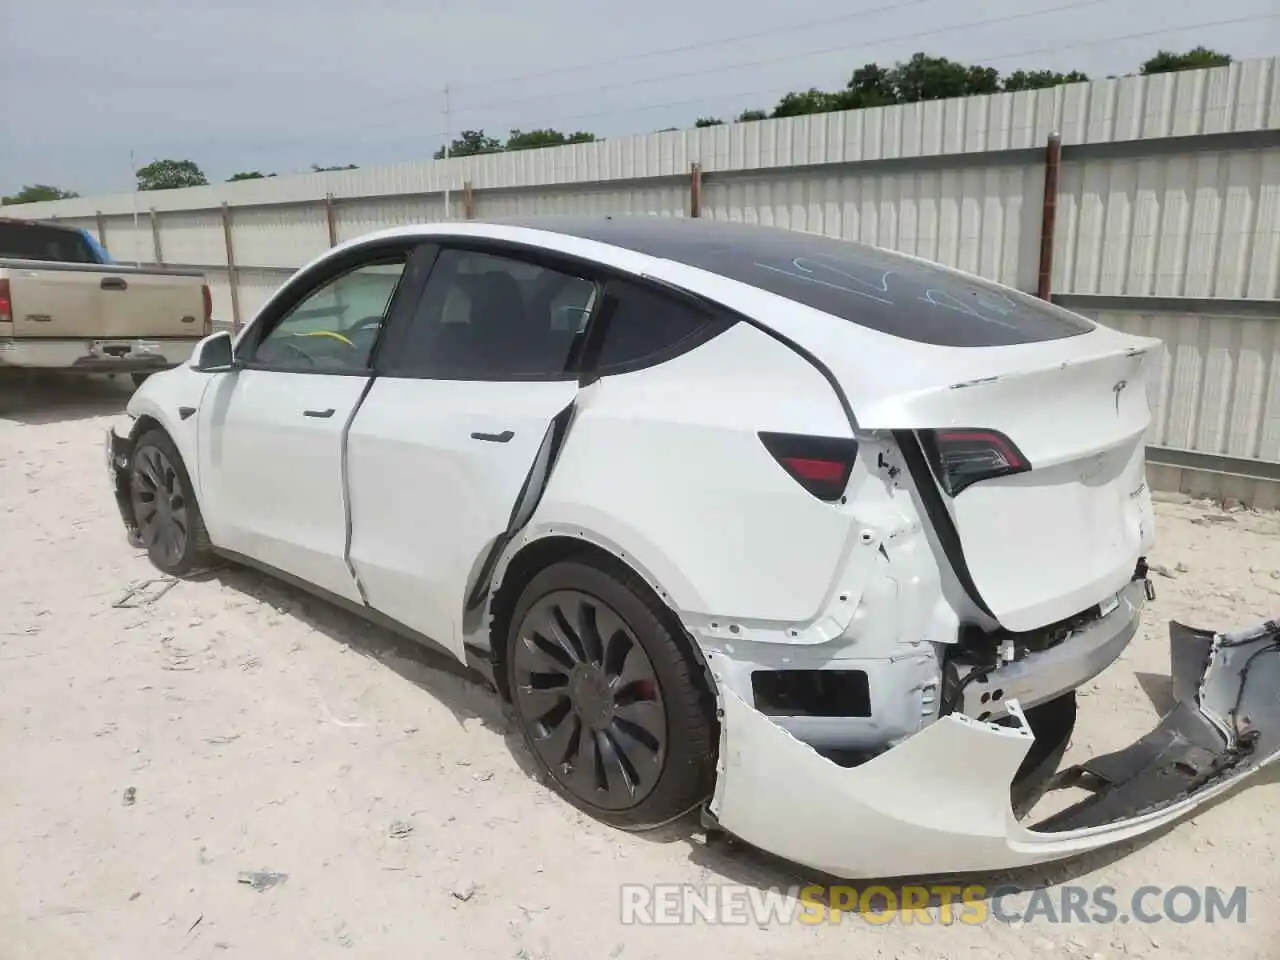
x=1165, y=221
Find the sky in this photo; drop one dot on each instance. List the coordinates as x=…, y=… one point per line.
x=276, y=85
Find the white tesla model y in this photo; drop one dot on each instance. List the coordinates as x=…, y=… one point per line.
x=819, y=538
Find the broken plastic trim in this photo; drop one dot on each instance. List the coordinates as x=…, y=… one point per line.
x=939, y=802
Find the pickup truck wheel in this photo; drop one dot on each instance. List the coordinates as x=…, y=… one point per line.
x=609, y=704
x=164, y=507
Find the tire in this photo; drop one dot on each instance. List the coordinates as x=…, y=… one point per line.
x=139, y=378
x=595, y=728
x=173, y=533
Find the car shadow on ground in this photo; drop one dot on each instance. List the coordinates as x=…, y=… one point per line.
x=725, y=859
x=33, y=398
x=435, y=672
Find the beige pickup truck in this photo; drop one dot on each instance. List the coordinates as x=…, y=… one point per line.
x=65, y=305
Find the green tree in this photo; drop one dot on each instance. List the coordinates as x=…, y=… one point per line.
x=471, y=143
x=870, y=86
x=812, y=100
x=38, y=192
x=316, y=168
x=248, y=175
x=533, y=139
x=708, y=122
x=170, y=175
x=1039, y=79
x=1166, y=61
x=749, y=116
x=936, y=78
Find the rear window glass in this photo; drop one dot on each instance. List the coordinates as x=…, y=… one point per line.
x=32, y=241
x=874, y=288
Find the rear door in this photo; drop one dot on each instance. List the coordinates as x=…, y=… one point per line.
x=459, y=428
x=271, y=435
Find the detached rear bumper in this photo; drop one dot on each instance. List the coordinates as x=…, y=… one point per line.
x=939, y=802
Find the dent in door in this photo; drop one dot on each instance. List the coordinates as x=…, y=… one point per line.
x=535, y=483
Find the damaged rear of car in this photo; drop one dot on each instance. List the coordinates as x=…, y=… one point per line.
x=992, y=478
x=939, y=802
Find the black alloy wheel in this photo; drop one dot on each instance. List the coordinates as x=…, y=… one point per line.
x=167, y=515
x=160, y=506
x=591, y=696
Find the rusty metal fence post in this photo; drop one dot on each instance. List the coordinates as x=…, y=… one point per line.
x=233, y=279
x=330, y=219
x=695, y=190
x=157, y=253
x=1048, y=215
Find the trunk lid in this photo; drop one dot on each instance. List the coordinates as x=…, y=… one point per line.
x=1048, y=542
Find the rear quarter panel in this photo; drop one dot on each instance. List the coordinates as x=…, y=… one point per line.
x=665, y=467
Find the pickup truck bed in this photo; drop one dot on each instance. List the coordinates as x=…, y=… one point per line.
x=62, y=308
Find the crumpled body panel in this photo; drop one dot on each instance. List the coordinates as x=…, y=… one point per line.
x=939, y=802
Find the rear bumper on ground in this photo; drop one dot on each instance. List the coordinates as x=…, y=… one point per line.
x=123, y=355
x=939, y=802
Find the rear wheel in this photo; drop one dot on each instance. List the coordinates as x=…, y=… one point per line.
x=164, y=506
x=611, y=707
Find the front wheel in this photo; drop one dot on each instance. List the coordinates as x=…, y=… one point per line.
x=164, y=507
x=611, y=706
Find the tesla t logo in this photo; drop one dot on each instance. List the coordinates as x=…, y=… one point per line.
x=1117, y=390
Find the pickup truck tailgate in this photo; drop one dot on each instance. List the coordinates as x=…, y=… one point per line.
x=103, y=302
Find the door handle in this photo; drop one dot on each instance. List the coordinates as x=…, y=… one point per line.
x=502, y=437
x=321, y=414
x=113, y=283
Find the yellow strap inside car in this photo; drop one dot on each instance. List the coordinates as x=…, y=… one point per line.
x=328, y=333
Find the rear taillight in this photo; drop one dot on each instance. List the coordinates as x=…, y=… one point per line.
x=6, y=303
x=961, y=457
x=208, y=309
x=819, y=464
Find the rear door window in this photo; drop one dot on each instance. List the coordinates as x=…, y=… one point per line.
x=486, y=316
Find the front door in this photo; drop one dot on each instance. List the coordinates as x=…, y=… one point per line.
x=449, y=438
x=271, y=435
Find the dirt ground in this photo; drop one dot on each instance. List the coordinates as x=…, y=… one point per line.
x=151, y=754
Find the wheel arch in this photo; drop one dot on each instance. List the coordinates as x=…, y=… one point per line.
x=533, y=556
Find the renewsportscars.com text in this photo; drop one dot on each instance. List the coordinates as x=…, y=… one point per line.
x=940, y=904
